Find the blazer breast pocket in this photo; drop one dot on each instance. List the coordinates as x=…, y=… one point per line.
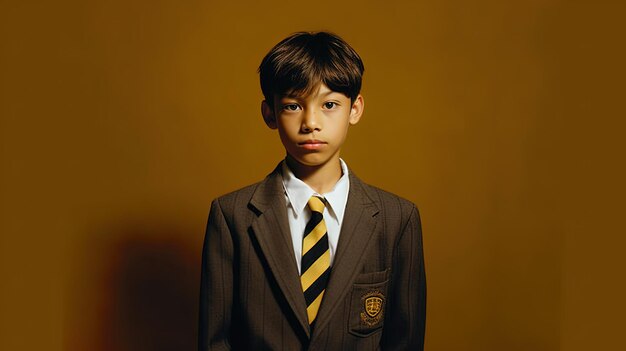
x=367, y=303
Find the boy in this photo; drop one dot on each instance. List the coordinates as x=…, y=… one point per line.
x=312, y=258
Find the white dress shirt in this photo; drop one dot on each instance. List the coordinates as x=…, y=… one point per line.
x=298, y=193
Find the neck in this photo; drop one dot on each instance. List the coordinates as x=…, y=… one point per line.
x=321, y=178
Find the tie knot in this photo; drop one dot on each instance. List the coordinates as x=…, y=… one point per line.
x=316, y=204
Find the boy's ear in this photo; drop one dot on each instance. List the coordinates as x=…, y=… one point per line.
x=357, y=110
x=268, y=115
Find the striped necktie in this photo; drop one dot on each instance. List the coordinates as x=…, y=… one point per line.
x=315, y=258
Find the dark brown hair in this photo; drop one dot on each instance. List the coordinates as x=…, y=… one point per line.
x=300, y=62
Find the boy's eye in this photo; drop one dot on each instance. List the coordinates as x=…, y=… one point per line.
x=291, y=107
x=330, y=104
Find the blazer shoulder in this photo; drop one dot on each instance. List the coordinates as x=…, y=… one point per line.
x=397, y=212
x=236, y=199
x=388, y=200
x=245, y=191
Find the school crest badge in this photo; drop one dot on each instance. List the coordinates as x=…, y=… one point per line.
x=373, y=303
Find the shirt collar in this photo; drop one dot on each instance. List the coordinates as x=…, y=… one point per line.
x=299, y=193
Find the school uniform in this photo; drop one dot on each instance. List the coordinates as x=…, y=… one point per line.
x=251, y=296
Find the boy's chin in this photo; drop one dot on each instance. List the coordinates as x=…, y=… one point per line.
x=311, y=160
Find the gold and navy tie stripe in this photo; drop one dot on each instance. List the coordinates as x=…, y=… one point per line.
x=315, y=258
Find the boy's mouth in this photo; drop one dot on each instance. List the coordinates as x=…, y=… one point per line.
x=312, y=144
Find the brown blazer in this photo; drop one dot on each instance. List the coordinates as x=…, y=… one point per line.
x=250, y=295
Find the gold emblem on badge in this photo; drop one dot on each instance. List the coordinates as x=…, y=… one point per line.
x=373, y=304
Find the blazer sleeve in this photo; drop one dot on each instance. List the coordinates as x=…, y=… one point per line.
x=405, y=320
x=216, y=285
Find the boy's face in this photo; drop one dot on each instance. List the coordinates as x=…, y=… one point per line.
x=313, y=128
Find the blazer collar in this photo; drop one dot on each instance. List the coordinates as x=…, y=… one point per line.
x=359, y=224
x=271, y=229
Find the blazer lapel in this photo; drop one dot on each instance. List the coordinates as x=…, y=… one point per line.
x=271, y=230
x=356, y=232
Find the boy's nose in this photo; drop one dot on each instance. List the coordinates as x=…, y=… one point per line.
x=310, y=122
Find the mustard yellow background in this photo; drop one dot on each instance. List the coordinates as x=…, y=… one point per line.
x=121, y=120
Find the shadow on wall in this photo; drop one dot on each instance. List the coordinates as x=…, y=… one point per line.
x=151, y=287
